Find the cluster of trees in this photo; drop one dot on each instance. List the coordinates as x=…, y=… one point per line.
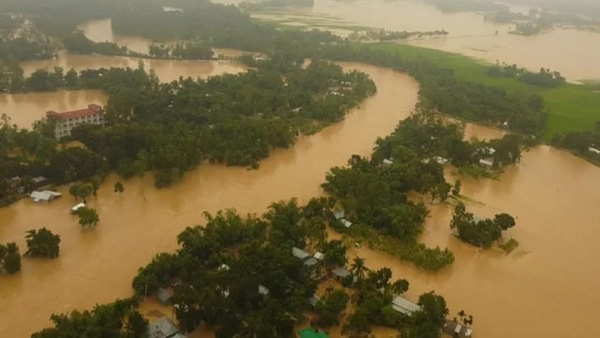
x=119, y=319
x=424, y=136
x=479, y=232
x=42, y=243
x=442, y=91
x=373, y=192
x=384, y=35
x=200, y=50
x=33, y=153
x=545, y=77
x=466, y=5
x=232, y=119
x=580, y=142
x=10, y=259
x=238, y=275
x=88, y=217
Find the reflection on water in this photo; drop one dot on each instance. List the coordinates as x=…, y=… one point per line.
x=97, y=266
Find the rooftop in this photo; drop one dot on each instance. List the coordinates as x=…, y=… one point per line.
x=163, y=328
x=297, y=252
x=341, y=272
x=44, y=196
x=92, y=109
x=404, y=306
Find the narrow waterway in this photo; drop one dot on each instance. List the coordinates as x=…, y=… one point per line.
x=97, y=266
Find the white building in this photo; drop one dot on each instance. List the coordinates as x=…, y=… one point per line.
x=65, y=122
x=44, y=196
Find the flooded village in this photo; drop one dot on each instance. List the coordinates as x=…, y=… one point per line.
x=553, y=195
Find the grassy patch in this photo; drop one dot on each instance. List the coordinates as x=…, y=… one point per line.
x=572, y=107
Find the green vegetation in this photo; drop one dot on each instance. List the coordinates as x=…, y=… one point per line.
x=10, y=259
x=571, y=107
x=584, y=144
x=479, y=232
x=545, y=78
x=88, y=217
x=509, y=245
x=238, y=275
x=42, y=243
x=80, y=190
x=116, y=320
x=373, y=193
x=383, y=35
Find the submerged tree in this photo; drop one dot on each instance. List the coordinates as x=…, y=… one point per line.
x=10, y=259
x=119, y=188
x=87, y=216
x=42, y=243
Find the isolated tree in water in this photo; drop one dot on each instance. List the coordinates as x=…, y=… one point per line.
x=87, y=216
x=42, y=243
x=119, y=188
x=10, y=259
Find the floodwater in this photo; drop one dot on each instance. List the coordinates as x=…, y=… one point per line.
x=24, y=109
x=545, y=288
x=97, y=266
x=571, y=52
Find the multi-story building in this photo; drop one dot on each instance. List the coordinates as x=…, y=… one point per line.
x=65, y=122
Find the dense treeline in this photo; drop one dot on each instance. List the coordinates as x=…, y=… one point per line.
x=384, y=35
x=479, y=232
x=116, y=320
x=238, y=275
x=442, y=91
x=545, y=77
x=173, y=127
x=583, y=143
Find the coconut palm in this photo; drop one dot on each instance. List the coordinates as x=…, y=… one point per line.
x=358, y=267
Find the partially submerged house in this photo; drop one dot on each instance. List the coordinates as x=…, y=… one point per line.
x=77, y=207
x=488, y=164
x=163, y=328
x=164, y=296
x=404, y=306
x=340, y=274
x=45, y=196
x=457, y=330
x=346, y=222
x=339, y=214
x=299, y=253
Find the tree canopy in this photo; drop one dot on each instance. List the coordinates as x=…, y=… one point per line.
x=42, y=243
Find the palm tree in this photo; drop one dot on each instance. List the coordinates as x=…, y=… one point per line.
x=358, y=267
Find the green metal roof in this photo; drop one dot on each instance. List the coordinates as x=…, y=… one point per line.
x=311, y=333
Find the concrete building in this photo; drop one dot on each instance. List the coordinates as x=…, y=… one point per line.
x=65, y=122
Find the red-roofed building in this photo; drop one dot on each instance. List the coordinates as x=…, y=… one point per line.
x=65, y=122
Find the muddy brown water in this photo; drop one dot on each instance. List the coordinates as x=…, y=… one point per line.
x=24, y=109
x=545, y=288
x=571, y=52
x=97, y=266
